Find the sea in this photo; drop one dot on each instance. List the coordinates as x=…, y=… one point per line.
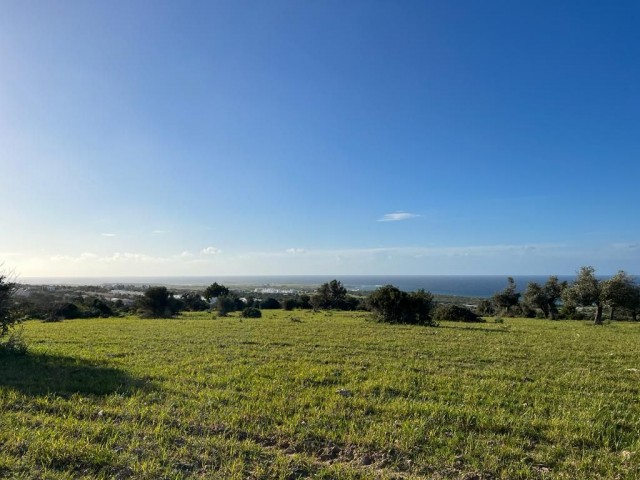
x=458, y=285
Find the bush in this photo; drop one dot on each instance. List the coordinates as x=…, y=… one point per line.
x=251, y=312
x=289, y=304
x=455, y=313
x=270, y=304
x=392, y=305
x=61, y=311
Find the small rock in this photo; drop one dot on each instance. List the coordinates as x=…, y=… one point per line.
x=366, y=460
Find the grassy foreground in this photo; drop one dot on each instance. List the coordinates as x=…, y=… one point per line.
x=325, y=395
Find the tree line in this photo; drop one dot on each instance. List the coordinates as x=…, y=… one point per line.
x=554, y=299
x=586, y=295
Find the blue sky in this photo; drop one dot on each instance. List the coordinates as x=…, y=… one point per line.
x=331, y=137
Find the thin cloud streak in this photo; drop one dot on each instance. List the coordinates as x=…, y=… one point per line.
x=397, y=216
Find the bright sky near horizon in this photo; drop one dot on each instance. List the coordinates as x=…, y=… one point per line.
x=331, y=137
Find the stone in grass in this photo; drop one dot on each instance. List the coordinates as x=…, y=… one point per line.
x=366, y=460
x=344, y=392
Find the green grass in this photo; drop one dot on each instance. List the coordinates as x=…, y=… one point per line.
x=325, y=395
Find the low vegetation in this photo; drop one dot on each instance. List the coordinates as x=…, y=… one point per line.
x=455, y=313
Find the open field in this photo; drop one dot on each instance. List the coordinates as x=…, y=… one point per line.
x=324, y=395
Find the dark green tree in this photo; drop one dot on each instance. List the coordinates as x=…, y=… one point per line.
x=193, y=302
x=100, y=308
x=305, y=302
x=421, y=302
x=158, y=302
x=289, y=304
x=270, y=304
x=215, y=290
x=251, y=312
x=455, y=313
x=392, y=305
x=330, y=295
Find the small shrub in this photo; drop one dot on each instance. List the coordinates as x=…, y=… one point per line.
x=455, y=313
x=498, y=320
x=15, y=344
x=251, y=312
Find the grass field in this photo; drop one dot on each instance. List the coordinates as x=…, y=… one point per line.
x=324, y=395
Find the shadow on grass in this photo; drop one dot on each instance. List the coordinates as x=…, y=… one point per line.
x=479, y=329
x=38, y=374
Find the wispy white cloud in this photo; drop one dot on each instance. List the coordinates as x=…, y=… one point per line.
x=117, y=257
x=296, y=250
x=211, y=251
x=83, y=257
x=159, y=232
x=108, y=234
x=397, y=216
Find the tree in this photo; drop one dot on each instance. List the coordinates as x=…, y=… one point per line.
x=158, y=302
x=305, y=301
x=485, y=307
x=214, y=291
x=392, y=305
x=193, y=302
x=421, y=303
x=226, y=304
x=545, y=297
x=330, y=295
x=8, y=312
x=586, y=291
x=508, y=297
x=620, y=291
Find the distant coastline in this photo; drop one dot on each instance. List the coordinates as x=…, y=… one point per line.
x=457, y=285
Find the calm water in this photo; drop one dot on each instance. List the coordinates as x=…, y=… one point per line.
x=464, y=285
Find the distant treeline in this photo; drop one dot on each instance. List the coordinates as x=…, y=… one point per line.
x=586, y=296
